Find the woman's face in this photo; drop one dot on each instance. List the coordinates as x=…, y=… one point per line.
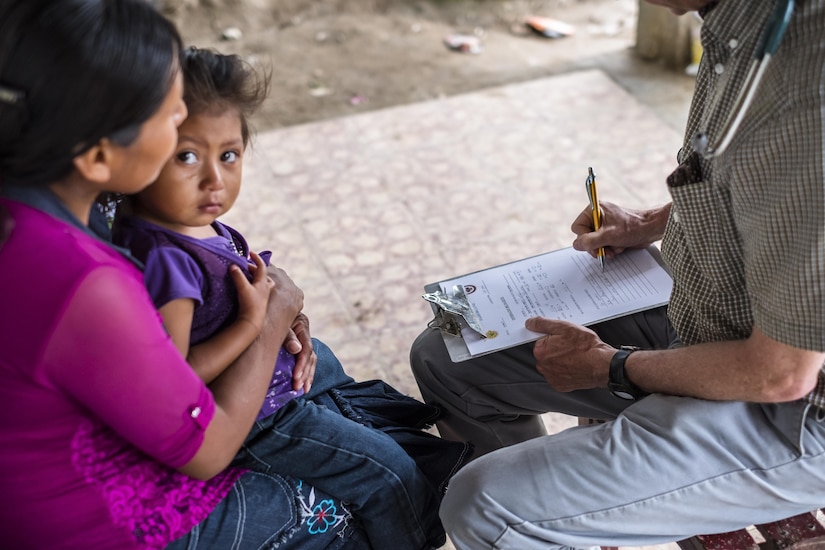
x=138, y=164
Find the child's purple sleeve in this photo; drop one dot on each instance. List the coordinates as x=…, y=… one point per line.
x=171, y=274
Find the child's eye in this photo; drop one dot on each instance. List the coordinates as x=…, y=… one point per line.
x=187, y=157
x=229, y=156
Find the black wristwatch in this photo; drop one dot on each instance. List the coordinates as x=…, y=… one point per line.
x=618, y=383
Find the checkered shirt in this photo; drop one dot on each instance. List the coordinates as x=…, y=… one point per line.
x=746, y=236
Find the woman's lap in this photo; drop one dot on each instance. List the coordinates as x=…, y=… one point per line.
x=268, y=511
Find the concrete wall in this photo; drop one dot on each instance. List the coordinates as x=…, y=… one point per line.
x=663, y=36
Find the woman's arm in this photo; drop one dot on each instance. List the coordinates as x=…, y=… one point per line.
x=110, y=353
x=240, y=390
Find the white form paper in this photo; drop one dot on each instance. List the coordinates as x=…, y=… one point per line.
x=564, y=284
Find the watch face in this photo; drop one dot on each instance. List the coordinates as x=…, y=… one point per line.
x=622, y=394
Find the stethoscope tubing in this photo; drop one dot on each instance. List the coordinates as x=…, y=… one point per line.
x=768, y=44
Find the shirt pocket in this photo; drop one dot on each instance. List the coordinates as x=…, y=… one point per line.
x=704, y=212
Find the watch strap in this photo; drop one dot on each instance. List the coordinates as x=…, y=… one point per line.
x=618, y=382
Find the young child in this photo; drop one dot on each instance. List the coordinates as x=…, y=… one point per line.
x=360, y=442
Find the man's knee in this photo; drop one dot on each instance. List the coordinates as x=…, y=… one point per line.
x=424, y=348
x=427, y=353
x=469, y=510
x=459, y=504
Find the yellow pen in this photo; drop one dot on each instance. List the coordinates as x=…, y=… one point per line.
x=593, y=196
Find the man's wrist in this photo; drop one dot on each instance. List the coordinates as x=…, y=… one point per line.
x=656, y=221
x=619, y=383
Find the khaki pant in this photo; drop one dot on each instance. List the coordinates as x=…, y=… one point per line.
x=662, y=469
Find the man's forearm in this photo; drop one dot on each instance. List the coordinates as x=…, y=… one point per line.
x=757, y=369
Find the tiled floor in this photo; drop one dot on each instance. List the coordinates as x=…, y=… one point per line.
x=363, y=211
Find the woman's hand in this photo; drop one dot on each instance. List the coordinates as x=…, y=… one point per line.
x=299, y=343
x=286, y=300
x=298, y=340
x=622, y=228
x=570, y=357
x=253, y=296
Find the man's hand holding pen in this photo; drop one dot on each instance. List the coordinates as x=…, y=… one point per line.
x=620, y=228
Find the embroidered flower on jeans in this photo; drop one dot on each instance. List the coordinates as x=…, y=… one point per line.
x=323, y=517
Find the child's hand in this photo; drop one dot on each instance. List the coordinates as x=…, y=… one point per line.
x=253, y=296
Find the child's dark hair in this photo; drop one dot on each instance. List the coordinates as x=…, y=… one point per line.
x=74, y=72
x=213, y=81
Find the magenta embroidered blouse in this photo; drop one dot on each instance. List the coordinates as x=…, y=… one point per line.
x=97, y=407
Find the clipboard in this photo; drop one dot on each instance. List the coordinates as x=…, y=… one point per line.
x=458, y=315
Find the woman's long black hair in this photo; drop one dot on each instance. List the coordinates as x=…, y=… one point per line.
x=73, y=72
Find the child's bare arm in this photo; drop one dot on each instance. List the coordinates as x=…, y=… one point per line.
x=212, y=356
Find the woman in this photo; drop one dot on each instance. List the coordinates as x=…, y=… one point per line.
x=109, y=439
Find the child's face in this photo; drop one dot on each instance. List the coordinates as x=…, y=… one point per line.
x=202, y=179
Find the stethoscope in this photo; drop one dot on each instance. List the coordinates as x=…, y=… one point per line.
x=768, y=44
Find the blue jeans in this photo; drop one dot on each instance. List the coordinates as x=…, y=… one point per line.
x=267, y=512
x=340, y=438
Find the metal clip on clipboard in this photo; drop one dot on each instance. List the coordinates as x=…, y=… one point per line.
x=450, y=309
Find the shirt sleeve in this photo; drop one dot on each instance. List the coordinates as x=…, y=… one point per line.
x=171, y=274
x=778, y=198
x=109, y=351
